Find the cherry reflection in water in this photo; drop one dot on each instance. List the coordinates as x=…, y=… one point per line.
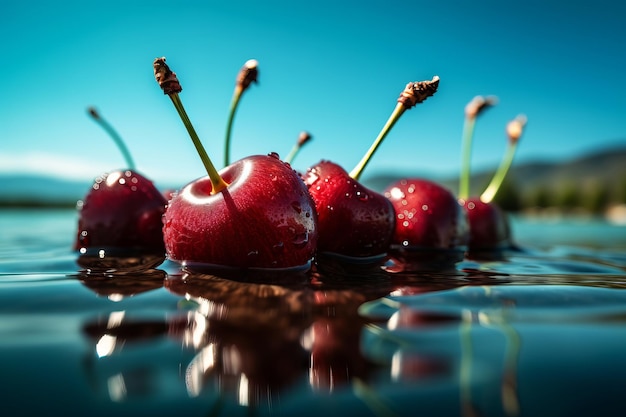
x=251, y=343
x=255, y=341
x=248, y=341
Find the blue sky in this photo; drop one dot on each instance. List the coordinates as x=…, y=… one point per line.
x=330, y=67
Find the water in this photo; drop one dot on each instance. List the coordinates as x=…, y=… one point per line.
x=540, y=332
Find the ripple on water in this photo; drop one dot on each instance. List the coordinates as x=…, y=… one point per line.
x=39, y=266
x=437, y=322
x=516, y=302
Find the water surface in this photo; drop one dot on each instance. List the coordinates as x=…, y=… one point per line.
x=537, y=332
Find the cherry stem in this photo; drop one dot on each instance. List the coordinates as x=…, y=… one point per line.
x=169, y=84
x=514, y=132
x=413, y=94
x=395, y=116
x=371, y=398
x=231, y=116
x=468, y=133
x=114, y=135
x=510, y=400
x=302, y=140
x=217, y=182
x=247, y=75
x=492, y=189
x=472, y=110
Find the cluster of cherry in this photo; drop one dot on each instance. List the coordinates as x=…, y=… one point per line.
x=259, y=213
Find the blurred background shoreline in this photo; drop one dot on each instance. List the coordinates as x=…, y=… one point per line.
x=592, y=185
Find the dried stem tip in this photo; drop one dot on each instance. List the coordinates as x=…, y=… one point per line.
x=248, y=74
x=94, y=113
x=416, y=92
x=303, y=138
x=165, y=77
x=479, y=104
x=515, y=128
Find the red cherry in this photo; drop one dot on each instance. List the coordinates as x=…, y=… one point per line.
x=489, y=226
x=264, y=218
x=353, y=220
x=490, y=231
x=123, y=210
x=428, y=217
x=255, y=213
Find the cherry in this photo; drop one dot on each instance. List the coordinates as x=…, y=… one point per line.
x=354, y=221
x=263, y=219
x=255, y=213
x=490, y=231
x=489, y=226
x=123, y=209
x=431, y=227
x=120, y=217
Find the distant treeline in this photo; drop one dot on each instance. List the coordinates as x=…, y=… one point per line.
x=593, y=197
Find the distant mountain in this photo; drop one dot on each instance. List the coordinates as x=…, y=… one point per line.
x=605, y=167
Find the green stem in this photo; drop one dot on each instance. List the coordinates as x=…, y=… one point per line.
x=510, y=400
x=292, y=154
x=371, y=398
x=217, y=181
x=116, y=138
x=395, y=116
x=303, y=139
x=493, y=187
x=231, y=117
x=464, y=180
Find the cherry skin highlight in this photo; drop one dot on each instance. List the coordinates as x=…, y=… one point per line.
x=123, y=210
x=428, y=218
x=354, y=221
x=264, y=218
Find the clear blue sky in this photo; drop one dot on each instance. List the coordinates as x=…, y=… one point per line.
x=334, y=68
